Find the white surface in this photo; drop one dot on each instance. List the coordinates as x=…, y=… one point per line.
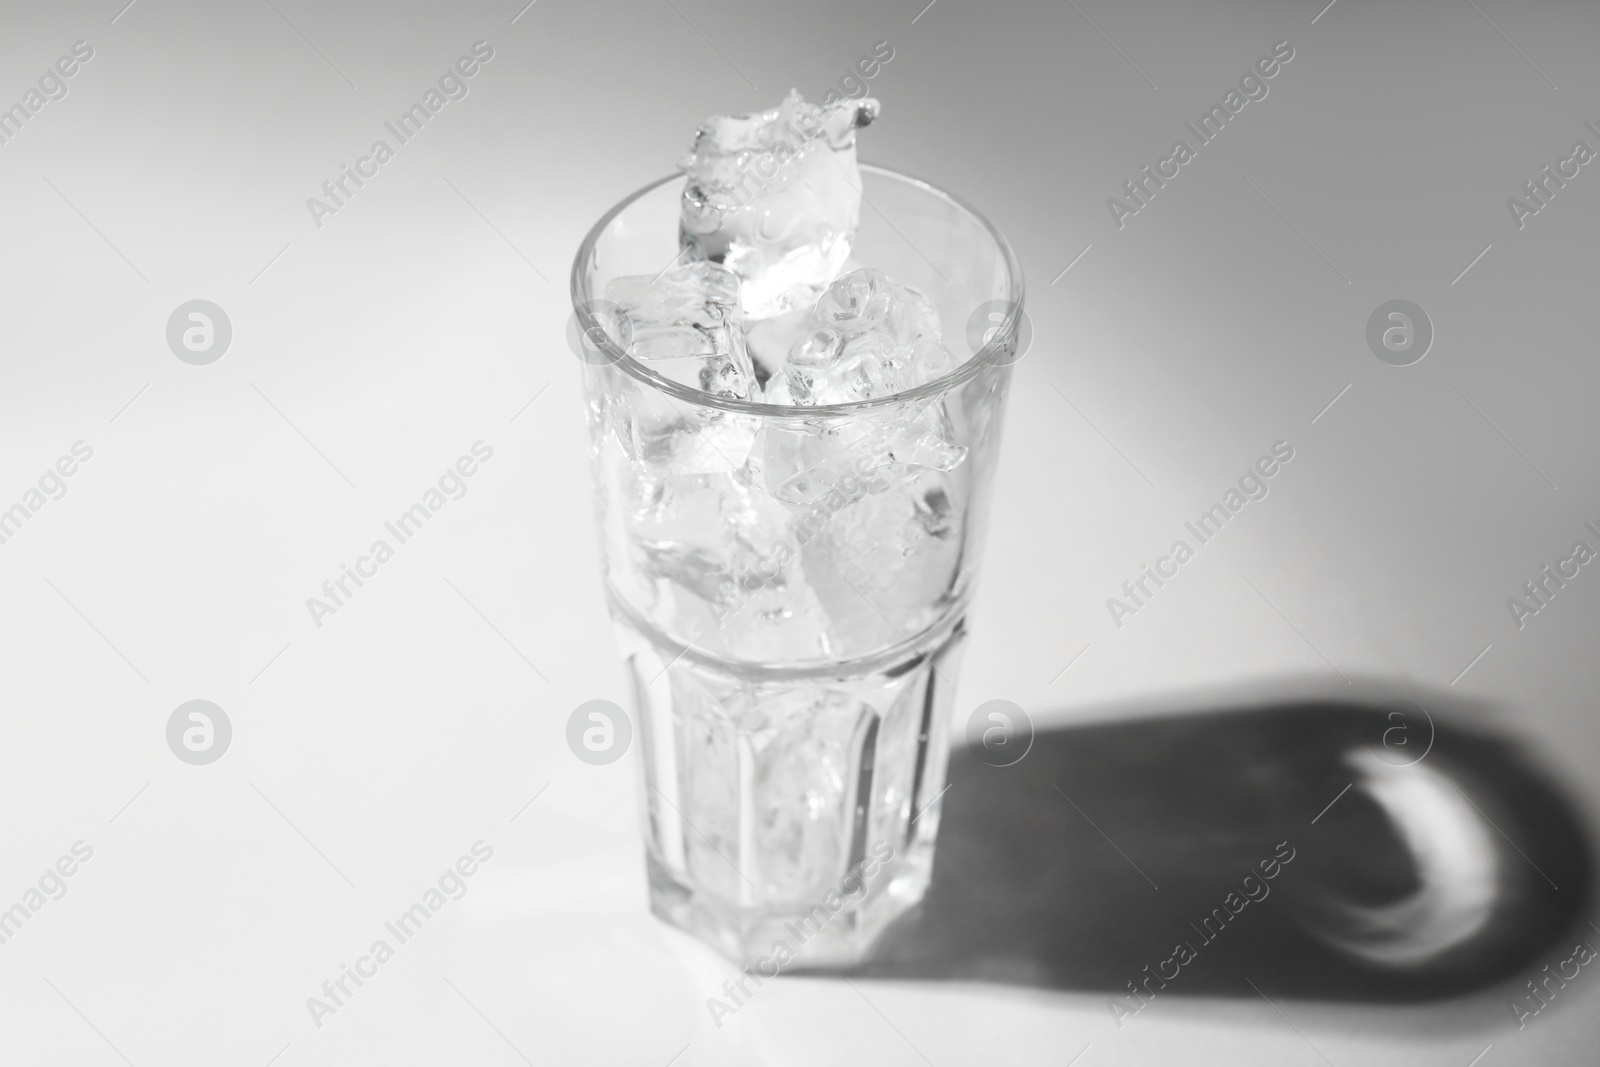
x=408, y=727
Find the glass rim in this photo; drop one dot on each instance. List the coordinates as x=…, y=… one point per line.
x=589, y=327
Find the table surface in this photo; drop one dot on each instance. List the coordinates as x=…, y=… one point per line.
x=374, y=745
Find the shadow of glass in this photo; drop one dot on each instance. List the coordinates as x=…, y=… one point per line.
x=1318, y=849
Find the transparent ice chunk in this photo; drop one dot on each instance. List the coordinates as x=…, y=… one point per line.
x=803, y=748
x=661, y=433
x=686, y=324
x=792, y=754
x=868, y=337
x=775, y=196
x=885, y=565
x=722, y=562
x=802, y=465
x=768, y=341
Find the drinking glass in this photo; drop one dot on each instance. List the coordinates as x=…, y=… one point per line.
x=789, y=586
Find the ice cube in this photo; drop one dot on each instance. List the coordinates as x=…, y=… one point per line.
x=723, y=569
x=885, y=565
x=768, y=341
x=660, y=433
x=868, y=337
x=803, y=465
x=804, y=747
x=686, y=324
x=766, y=777
x=775, y=196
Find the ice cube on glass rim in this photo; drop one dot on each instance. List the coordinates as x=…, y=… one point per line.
x=776, y=196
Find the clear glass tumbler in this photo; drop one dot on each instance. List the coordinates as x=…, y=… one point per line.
x=789, y=586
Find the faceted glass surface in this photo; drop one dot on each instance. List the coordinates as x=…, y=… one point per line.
x=789, y=582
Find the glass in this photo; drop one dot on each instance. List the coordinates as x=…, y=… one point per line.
x=789, y=586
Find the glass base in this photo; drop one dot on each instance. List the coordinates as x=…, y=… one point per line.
x=790, y=815
x=767, y=942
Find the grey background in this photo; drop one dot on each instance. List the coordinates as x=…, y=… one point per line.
x=369, y=753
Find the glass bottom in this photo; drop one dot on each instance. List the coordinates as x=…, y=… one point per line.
x=790, y=814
